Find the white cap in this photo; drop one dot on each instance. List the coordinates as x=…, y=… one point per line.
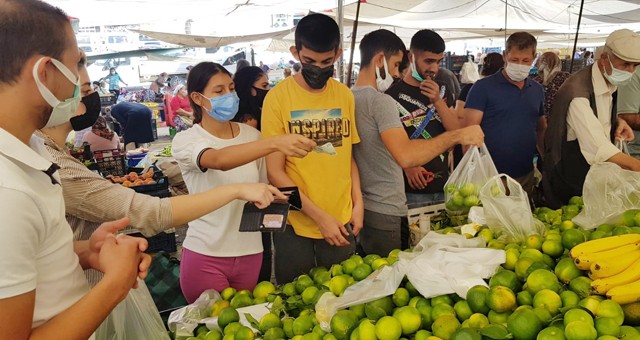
x=625, y=44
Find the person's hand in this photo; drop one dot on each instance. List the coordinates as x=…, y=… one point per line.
x=357, y=218
x=431, y=90
x=122, y=260
x=259, y=194
x=472, y=135
x=98, y=237
x=624, y=131
x=416, y=178
x=293, y=145
x=332, y=230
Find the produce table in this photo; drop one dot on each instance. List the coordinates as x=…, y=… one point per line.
x=564, y=283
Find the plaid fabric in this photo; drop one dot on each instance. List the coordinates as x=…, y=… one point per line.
x=163, y=281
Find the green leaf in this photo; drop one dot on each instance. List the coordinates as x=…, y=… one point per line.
x=254, y=323
x=495, y=332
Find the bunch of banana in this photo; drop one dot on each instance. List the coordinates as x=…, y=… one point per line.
x=613, y=264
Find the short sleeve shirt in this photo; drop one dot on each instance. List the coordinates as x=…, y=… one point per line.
x=412, y=109
x=380, y=174
x=509, y=121
x=36, y=247
x=325, y=117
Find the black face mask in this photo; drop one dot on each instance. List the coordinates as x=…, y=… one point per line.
x=315, y=76
x=92, y=103
x=260, y=94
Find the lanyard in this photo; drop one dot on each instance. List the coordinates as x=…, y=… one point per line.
x=427, y=118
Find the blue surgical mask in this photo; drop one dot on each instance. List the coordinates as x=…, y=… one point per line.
x=223, y=108
x=62, y=110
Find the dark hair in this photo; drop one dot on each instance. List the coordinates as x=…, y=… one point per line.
x=403, y=64
x=427, y=40
x=244, y=80
x=242, y=63
x=522, y=41
x=197, y=81
x=379, y=41
x=587, y=54
x=29, y=27
x=492, y=63
x=317, y=32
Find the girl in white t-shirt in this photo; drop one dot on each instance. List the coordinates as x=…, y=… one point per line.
x=216, y=152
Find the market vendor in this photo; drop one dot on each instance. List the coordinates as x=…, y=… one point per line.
x=90, y=199
x=583, y=122
x=135, y=122
x=629, y=109
x=180, y=105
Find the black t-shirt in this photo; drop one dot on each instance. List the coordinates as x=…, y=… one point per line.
x=412, y=108
x=465, y=92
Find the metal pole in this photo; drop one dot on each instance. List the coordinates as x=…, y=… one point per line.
x=341, y=26
x=353, y=44
x=506, y=7
x=575, y=41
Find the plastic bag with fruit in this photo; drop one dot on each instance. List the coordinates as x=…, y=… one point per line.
x=463, y=186
x=506, y=209
x=608, y=193
x=136, y=317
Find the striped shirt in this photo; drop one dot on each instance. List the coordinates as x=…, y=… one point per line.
x=91, y=200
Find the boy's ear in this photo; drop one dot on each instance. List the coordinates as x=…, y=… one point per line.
x=294, y=52
x=338, y=54
x=378, y=60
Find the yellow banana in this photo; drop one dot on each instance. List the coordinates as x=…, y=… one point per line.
x=612, y=266
x=631, y=274
x=628, y=293
x=603, y=244
x=584, y=261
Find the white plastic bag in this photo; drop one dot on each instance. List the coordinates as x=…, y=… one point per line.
x=136, y=317
x=469, y=72
x=463, y=186
x=622, y=145
x=182, y=322
x=506, y=208
x=440, y=264
x=383, y=282
x=608, y=192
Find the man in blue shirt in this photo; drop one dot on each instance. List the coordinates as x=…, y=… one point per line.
x=509, y=107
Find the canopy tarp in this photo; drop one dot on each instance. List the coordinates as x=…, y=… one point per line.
x=189, y=40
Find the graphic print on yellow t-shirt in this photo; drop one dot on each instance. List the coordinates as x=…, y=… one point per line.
x=322, y=126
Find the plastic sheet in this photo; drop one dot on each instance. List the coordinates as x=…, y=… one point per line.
x=506, y=208
x=608, y=192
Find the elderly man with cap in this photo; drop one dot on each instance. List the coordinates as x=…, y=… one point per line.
x=583, y=124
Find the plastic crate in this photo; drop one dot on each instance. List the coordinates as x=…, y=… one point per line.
x=158, y=189
x=422, y=215
x=133, y=160
x=160, y=242
x=110, y=162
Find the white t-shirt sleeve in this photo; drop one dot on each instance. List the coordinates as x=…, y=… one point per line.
x=22, y=232
x=594, y=144
x=187, y=150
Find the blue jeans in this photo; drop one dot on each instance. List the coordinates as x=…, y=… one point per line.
x=420, y=200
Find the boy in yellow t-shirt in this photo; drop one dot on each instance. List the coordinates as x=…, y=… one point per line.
x=313, y=104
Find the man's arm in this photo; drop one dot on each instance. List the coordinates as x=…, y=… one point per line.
x=415, y=152
x=120, y=259
x=633, y=119
x=357, y=216
x=541, y=130
x=332, y=230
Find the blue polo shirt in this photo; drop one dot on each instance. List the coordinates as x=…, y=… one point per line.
x=509, y=121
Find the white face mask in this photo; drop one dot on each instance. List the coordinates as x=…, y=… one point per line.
x=517, y=72
x=383, y=84
x=617, y=77
x=62, y=110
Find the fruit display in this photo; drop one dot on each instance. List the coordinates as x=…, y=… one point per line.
x=566, y=283
x=133, y=179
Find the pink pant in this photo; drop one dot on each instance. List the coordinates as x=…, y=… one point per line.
x=201, y=272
